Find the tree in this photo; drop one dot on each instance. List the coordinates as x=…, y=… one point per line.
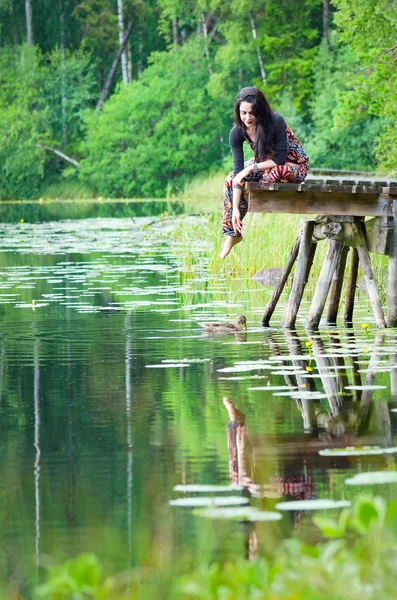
x=368, y=28
x=333, y=144
x=29, y=23
x=157, y=133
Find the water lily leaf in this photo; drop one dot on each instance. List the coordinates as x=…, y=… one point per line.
x=316, y=504
x=197, y=501
x=302, y=395
x=365, y=387
x=248, y=513
x=357, y=451
x=272, y=388
x=206, y=489
x=167, y=365
x=372, y=478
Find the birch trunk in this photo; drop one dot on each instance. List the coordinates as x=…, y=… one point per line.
x=14, y=29
x=258, y=50
x=175, y=32
x=120, y=18
x=129, y=61
x=62, y=46
x=206, y=48
x=140, y=53
x=29, y=23
x=113, y=68
x=326, y=19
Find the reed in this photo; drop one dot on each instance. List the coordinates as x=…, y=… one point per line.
x=267, y=238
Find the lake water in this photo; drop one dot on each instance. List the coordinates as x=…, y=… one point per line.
x=112, y=394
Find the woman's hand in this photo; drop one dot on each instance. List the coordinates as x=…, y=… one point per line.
x=237, y=222
x=239, y=178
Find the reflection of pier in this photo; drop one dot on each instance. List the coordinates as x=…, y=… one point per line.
x=344, y=205
x=276, y=465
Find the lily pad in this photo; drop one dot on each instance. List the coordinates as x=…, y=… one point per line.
x=365, y=387
x=207, y=501
x=207, y=489
x=272, y=388
x=300, y=395
x=358, y=451
x=167, y=365
x=373, y=478
x=316, y=504
x=248, y=513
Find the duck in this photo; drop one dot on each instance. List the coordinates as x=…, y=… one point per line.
x=239, y=324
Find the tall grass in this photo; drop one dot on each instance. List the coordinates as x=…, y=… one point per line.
x=67, y=189
x=267, y=238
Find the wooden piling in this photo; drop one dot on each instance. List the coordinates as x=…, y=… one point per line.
x=351, y=286
x=366, y=266
x=303, y=265
x=323, y=284
x=392, y=274
x=336, y=287
x=271, y=305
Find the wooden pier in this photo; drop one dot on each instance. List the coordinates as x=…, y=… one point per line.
x=355, y=214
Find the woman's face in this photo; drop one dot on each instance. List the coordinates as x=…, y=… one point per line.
x=246, y=114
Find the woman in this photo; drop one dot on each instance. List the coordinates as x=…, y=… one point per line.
x=279, y=156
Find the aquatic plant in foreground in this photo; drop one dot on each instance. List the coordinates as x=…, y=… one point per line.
x=355, y=561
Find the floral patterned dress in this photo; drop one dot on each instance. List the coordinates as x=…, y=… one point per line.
x=294, y=170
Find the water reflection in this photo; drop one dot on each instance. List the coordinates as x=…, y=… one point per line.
x=111, y=394
x=334, y=414
x=36, y=399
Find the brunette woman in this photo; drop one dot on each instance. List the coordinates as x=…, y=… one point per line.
x=279, y=156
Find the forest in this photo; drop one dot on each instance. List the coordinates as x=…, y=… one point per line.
x=134, y=98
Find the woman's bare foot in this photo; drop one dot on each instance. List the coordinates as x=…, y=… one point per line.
x=228, y=245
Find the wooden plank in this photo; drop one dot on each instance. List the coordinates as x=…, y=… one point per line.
x=379, y=234
x=326, y=186
x=319, y=203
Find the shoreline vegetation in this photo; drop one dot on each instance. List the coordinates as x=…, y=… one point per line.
x=262, y=246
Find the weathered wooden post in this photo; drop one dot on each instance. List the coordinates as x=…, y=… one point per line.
x=392, y=275
x=324, y=283
x=303, y=265
x=336, y=287
x=365, y=263
x=271, y=305
x=351, y=286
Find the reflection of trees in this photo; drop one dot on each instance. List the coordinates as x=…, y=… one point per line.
x=36, y=400
x=97, y=399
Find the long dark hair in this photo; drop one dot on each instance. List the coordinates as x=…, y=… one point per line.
x=264, y=141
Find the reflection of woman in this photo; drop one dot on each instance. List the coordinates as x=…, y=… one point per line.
x=279, y=156
x=294, y=483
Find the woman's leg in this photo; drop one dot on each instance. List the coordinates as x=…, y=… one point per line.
x=289, y=172
x=227, y=226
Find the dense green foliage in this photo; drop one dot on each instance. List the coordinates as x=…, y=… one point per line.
x=168, y=111
x=156, y=132
x=359, y=565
